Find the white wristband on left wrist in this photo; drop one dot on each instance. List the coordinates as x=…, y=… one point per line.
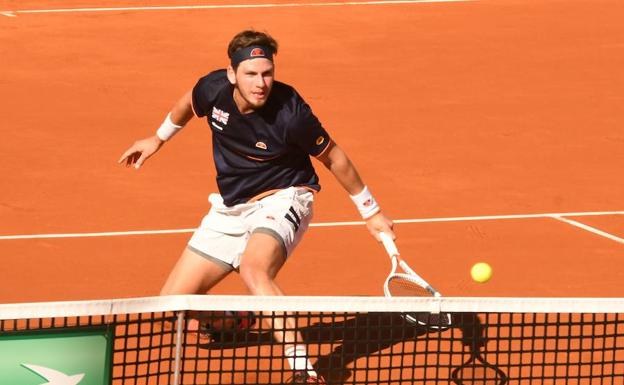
x=167, y=129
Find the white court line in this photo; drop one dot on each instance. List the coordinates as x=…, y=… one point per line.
x=225, y=6
x=323, y=224
x=101, y=234
x=590, y=229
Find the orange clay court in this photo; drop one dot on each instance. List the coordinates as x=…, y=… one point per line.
x=450, y=110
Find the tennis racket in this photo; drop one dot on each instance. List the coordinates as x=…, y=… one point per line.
x=409, y=284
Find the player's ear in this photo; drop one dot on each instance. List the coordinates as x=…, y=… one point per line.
x=231, y=74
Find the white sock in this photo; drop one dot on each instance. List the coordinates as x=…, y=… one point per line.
x=297, y=357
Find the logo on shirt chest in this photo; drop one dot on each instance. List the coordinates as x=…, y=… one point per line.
x=220, y=116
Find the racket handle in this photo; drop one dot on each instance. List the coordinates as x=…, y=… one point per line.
x=388, y=243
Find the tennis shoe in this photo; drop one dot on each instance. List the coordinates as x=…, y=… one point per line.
x=303, y=377
x=211, y=326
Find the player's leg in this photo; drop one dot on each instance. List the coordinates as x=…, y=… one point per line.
x=260, y=263
x=278, y=228
x=210, y=254
x=194, y=274
x=209, y=257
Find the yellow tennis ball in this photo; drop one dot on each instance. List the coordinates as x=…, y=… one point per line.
x=481, y=272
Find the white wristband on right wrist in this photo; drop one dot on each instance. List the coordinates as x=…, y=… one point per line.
x=167, y=129
x=365, y=203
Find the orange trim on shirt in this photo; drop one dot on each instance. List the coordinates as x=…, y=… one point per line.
x=271, y=192
x=253, y=157
x=264, y=195
x=325, y=149
x=260, y=159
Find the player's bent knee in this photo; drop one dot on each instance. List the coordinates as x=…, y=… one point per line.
x=256, y=280
x=253, y=277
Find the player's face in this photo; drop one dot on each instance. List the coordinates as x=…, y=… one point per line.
x=253, y=81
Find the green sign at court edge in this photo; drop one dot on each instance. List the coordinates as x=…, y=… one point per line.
x=68, y=357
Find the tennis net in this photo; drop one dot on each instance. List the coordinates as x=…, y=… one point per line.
x=350, y=340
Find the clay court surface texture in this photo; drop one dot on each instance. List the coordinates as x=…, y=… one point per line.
x=488, y=130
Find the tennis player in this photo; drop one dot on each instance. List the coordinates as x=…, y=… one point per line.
x=263, y=136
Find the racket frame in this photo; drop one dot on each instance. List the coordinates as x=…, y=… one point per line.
x=409, y=274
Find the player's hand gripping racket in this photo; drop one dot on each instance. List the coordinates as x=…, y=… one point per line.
x=409, y=284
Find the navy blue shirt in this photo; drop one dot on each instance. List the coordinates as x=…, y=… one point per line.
x=264, y=150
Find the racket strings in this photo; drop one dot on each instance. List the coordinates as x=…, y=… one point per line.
x=402, y=287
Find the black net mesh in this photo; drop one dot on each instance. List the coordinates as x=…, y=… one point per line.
x=369, y=347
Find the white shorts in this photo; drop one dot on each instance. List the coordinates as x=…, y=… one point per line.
x=224, y=232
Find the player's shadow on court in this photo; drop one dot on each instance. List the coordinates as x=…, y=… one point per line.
x=363, y=335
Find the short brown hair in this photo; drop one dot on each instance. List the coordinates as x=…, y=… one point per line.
x=248, y=38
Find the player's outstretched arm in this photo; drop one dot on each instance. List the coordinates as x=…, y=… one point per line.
x=339, y=164
x=142, y=149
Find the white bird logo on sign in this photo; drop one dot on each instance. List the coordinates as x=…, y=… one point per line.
x=54, y=377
